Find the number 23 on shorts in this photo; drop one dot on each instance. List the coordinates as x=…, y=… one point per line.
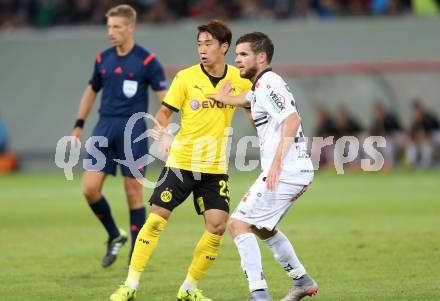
x=224, y=188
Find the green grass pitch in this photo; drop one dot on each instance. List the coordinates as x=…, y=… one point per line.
x=361, y=236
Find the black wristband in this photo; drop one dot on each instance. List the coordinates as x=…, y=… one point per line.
x=79, y=123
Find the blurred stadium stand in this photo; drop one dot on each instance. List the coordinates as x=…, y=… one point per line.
x=348, y=61
x=18, y=13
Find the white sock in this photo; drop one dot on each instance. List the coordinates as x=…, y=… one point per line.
x=250, y=255
x=189, y=284
x=133, y=278
x=284, y=253
x=132, y=283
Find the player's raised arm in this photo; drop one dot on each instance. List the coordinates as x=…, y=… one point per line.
x=236, y=100
x=87, y=102
x=223, y=95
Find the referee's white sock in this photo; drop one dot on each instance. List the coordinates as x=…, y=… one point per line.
x=284, y=253
x=250, y=255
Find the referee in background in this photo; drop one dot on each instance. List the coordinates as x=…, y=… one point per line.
x=123, y=72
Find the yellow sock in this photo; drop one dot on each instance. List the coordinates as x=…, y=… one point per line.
x=204, y=255
x=146, y=242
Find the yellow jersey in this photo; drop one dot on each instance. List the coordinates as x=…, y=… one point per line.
x=201, y=143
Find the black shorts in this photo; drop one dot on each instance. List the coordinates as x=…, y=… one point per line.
x=112, y=128
x=211, y=191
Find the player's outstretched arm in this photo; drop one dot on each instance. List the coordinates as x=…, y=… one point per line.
x=87, y=102
x=289, y=129
x=223, y=95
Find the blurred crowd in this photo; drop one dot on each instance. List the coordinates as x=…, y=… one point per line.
x=416, y=145
x=42, y=13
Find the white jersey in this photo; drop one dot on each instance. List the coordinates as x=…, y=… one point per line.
x=271, y=102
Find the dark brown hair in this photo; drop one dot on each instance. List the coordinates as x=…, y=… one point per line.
x=259, y=42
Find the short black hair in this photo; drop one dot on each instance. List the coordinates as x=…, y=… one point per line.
x=259, y=42
x=218, y=29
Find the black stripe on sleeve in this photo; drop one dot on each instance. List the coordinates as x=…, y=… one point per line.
x=261, y=118
x=261, y=123
x=170, y=106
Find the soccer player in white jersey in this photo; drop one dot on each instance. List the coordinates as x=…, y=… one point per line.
x=286, y=170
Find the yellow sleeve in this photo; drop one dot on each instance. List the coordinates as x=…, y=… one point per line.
x=176, y=94
x=245, y=85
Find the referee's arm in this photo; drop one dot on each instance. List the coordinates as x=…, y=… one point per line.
x=87, y=102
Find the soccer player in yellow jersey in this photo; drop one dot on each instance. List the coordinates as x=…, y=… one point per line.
x=196, y=162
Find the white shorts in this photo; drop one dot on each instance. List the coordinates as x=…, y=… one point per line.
x=263, y=208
